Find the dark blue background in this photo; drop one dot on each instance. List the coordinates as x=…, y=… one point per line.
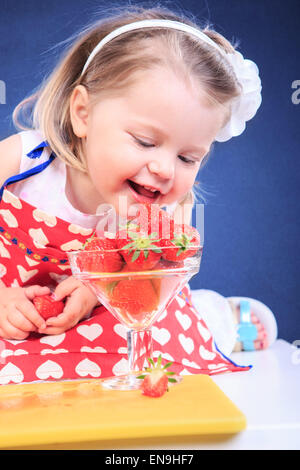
x=251, y=183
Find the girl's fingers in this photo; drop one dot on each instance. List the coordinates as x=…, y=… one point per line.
x=9, y=331
x=33, y=291
x=19, y=321
x=61, y=320
x=50, y=330
x=68, y=317
x=66, y=288
x=27, y=308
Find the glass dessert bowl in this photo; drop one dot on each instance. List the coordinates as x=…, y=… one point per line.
x=134, y=295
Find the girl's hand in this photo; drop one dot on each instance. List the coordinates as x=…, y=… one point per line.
x=18, y=316
x=81, y=300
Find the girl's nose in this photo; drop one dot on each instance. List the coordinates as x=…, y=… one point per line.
x=163, y=168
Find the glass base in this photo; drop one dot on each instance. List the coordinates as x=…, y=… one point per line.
x=129, y=382
x=122, y=382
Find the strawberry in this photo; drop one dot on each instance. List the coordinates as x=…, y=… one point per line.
x=160, y=222
x=165, y=264
x=155, y=382
x=153, y=220
x=134, y=296
x=93, y=258
x=185, y=243
x=47, y=306
x=139, y=250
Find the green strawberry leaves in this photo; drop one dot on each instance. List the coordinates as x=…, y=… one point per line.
x=158, y=367
x=142, y=244
x=88, y=240
x=183, y=242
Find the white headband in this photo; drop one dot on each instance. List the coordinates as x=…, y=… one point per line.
x=243, y=108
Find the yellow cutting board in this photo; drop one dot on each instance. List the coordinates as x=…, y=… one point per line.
x=82, y=411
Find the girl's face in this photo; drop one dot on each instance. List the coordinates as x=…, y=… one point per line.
x=152, y=135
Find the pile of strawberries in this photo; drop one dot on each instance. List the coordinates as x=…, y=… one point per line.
x=148, y=244
x=154, y=242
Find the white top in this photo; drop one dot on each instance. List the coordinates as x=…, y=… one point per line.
x=46, y=190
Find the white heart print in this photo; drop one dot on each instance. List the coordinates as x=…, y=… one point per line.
x=53, y=351
x=121, y=330
x=204, y=332
x=90, y=332
x=186, y=342
x=9, y=352
x=180, y=301
x=26, y=275
x=10, y=373
x=183, y=319
x=49, y=369
x=205, y=354
x=221, y=365
x=161, y=335
x=87, y=367
x=97, y=349
x=166, y=356
x=53, y=340
x=188, y=363
x=121, y=367
x=162, y=316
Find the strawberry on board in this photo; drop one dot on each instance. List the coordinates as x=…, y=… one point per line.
x=139, y=250
x=185, y=243
x=94, y=258
x=134, y=296
x=48, y=307
x=155, y=381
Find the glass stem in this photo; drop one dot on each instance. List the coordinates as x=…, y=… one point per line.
x=140, y=349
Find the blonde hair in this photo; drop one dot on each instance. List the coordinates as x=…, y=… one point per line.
x=114, y=68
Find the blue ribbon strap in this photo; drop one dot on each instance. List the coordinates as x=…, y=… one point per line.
x=35, y=153
x=38, y=150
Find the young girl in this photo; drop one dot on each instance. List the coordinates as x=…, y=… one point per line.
x=133, y=106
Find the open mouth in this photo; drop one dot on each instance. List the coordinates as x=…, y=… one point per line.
x=142, y=194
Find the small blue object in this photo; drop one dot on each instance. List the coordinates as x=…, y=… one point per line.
x=247, y=332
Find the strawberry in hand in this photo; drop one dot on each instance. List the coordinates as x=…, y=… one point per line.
x=155, y=382
x=47, y=306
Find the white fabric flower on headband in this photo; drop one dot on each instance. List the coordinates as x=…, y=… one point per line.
x=245, y=106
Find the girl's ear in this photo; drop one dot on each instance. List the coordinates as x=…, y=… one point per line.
x=79, y=110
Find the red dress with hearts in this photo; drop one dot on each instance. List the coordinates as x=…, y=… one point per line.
x=33, y=246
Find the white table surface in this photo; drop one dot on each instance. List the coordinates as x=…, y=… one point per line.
x=268, y=395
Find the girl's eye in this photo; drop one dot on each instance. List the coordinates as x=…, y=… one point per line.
x=143, y=144
x=188, y=161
